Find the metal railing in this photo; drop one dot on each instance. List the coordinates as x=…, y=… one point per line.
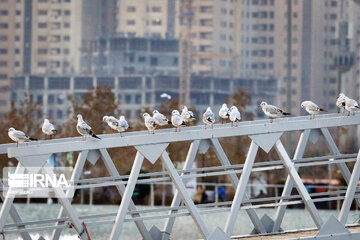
x=263, y=135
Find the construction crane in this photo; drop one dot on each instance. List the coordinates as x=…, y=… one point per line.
x=185, y=68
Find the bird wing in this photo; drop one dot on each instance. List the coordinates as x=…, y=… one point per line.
x=48, y=127
x=124, y=124
x=312, y=106
x=273, y=109
x=19, y=135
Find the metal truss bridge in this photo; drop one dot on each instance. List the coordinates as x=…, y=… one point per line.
x=154, y=148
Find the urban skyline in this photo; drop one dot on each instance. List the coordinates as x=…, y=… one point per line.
x=222, y=39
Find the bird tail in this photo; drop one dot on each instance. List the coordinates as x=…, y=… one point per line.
x=32, y=139
x=93, y=135
x=183, y=123
x=228, y=115
x=285, y=113
x=322, y=110
x=169, y=122
x=357, y=107
x=54, y=131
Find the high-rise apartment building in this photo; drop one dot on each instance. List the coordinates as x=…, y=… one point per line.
x=146, y=18
x=46, y=36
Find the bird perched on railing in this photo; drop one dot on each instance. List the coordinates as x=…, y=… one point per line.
x=208, y=118
x=160, y=119
x=340, y=102
x=48, y=128
x=120, y=125
x=351, y=105
x=224, y=112
x=84, y=129
x=187, y=115
x=19, y=136
x=234, y=115
x=311, y=108
x=272, y=111
x=177, y=120
x=150, y=123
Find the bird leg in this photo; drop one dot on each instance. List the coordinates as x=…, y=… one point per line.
x=348, y=113
x=271, y=120
x=17, y=144
x=212, y=126
x=121, y=134
x=232, y=124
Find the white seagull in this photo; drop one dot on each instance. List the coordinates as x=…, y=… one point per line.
x=351, y=105
x=48, y=128
x=234, y=115
x=160, y=119
x=177, y=120
x=340, y=102
x=272, y=111
x=150, y=123
x=119, y=125
x=84, y=129
x=224, y=112
x=19, y=136
x=187, y=115
x=208, y=117
x=311, y=108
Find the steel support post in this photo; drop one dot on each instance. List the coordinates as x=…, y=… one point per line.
x=345, y=172
x=289, y=184
x=169, y=223
x=235, y=181
x=299, y=184
x=350, y=192
x=16, y=218
x=76, y=174
x=125, y=201
x=241, y=187
x=64, y=201
x=184, y=194
x=9, y=200
x=121, y=188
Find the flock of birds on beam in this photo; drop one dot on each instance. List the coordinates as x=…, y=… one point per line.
x=179, y=120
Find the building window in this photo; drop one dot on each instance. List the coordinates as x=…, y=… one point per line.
x=130, y=22
x=3, y=76
x=3, y=38
x=42, y=12
x=17, y=51
x=17, y=38
x=42, y=51
x=153, y=61
x=67, y=12
x=42, y=64
x=131, y=9
x=42, y=38
x=66, y=25
x=42, y=25
x=4, y=25
x=156, y=9
x=66, y=51
x=3, y=51
x=18, y=12
x=3, y=64
x=156, y=22
x=67, y=38
x=4, y=12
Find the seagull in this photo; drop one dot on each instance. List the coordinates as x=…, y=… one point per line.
x=224, y=112
x=187, y=115
x=119, y=125
x=234, y=115
x=208, y=117
x=150, y=122
x=340, y=102
x=48, y=128
x=19, y=136
x=272, y=111
x=311, y=108
x=160, y=119
x=177, y=120
x=351, y=105
x=84, y=129
x=165, y=95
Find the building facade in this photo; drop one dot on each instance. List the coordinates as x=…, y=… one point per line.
x=124, y=55
x=136, y=92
